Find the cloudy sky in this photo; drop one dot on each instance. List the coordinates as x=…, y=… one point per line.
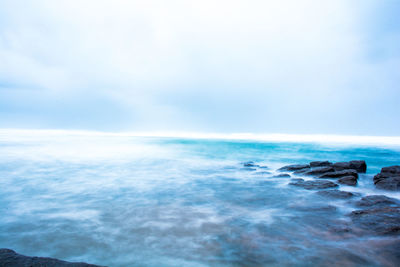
x=298, y=67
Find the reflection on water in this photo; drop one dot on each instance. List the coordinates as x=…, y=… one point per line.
x=124, y=201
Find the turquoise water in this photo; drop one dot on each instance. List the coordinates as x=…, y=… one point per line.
x=130, y=201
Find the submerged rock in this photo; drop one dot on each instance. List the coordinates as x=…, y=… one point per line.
x=340, y=174
x=282, y=175
x=312, y=184
x=318, y=171
x=348, y=180
x=381, y=221
x=250, y=164
x=314, y=164
x=377, y=201
x=334, y=193
x=388, y=178
x=10, y=258
x=295, y=167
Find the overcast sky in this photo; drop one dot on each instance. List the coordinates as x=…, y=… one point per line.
x=223, y=66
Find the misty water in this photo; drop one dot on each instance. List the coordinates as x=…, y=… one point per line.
x=135, y=201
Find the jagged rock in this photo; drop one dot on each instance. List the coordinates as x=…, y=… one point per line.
x=334, y=193
x=295, y=167
x=381, y=221
x=340, y=174
x=282, y=175
x=312, y=184
x=318, y=171
x=314, y=164
x=377, y=201
x=388, y=178
x=358, y=165
x=10, y=258
x=348, y=180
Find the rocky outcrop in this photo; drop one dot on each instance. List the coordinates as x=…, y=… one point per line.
x=312, y=184
x=314, y=164
x=348, y=180
x=381, y=221
x=334, y=193
x=340, y=174
x=377, y=201
x=295, y=167
x=318, y=171
x=10, y=258
x=357, y=165
x=388, y=178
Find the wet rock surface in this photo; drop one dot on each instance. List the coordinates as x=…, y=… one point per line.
x=319, y=171
x=10, y=258
x=282, y=175
x=378, y=221
x=312, y=184
x=388, y=178
x=295, y=167
x=340, y=174
x=335, y=193
x=314, y=164
x=348, y=180
x=377, y=201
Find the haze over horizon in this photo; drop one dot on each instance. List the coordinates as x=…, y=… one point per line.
x=295, y=67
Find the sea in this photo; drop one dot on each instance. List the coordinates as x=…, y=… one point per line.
x=137, y=200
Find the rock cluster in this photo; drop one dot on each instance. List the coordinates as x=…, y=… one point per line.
x=10, y=258
x=388, y=178
x=345, y=172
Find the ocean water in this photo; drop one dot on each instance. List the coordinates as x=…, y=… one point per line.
x=120, y=200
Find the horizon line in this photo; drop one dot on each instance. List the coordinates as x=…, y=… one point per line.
x=272, y=137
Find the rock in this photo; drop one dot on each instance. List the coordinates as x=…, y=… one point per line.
x=314, y=208
x=320, y=164
x=295, y=167
x=377, y=201
x=340, y=174
x=388, y=178
x=10, y=258
x=248, y=169
x=318, y=171
x=381, y=221
x=281, y=175
x=348, y=180
x=334, y=193
x=358, y=165
x=340, y=166
x=312, y=184
x=250, y=164
x=263, y=173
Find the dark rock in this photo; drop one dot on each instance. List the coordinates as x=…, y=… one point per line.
x=295, y=167
x=318, y=171
x=248, y=169
x=263, y=173
x=312, y=184
x=281, y=175
x=340, y=166
x=314, y=208
x=10, y=258
x=377, y=201
x=381, y=221
x=250, y=164
x=320, y=164
x=348, y=180
x=340, y=174
x=358, y=165
x=388, y=178
x=336, y=194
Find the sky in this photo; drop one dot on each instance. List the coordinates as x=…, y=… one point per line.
x=237, y=66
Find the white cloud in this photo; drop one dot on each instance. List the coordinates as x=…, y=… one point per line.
x=198, y=65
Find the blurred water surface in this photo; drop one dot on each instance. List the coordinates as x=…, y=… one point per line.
x=137, y=201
